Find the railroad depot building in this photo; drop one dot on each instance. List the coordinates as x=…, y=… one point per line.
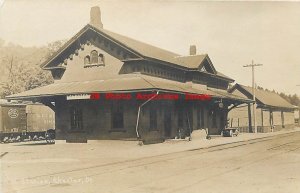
x=108, y=86
x=273, y=113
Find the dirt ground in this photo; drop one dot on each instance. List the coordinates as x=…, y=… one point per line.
x=247, y=163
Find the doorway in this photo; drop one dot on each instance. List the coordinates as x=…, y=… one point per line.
x=167, y=123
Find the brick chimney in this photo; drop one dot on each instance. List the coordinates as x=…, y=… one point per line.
x=95, y=19
x=193, y=50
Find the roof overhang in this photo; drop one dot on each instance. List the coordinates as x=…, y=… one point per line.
x=74, y=40
x=126, y=84
x=264, y=101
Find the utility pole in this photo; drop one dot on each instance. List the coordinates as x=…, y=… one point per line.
x=252, y=65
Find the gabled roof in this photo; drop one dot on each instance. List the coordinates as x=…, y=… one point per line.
x=140, y=49
x=143, y=49
x=266, y=98
x=193, y=61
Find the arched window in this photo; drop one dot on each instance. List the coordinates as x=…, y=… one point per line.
x=86, y=60
x=94, y=57
x=101, y=59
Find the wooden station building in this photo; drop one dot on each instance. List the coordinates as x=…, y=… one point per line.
x=109, y=86
x=273, y=113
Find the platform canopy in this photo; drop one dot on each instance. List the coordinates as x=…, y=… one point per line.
x=126, y=83
x=264, y=99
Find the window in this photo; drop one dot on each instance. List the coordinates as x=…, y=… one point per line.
x=94, y=57
x=76, y=118
x=101, y=59
x=117, y=115
x=86, y=60
x=153, y=118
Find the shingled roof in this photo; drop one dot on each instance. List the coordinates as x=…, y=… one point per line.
x=265, y=98
x=121, y=83
x=192, y=61
x=142, y=49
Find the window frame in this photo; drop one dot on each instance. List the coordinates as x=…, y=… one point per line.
x=99, y=62
x=94, y=56
x=117, y=111
x=76, y=119
x=101, y=58
x=87, y=62
x=200, y=117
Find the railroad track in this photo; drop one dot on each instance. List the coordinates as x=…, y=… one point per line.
x=146, y=161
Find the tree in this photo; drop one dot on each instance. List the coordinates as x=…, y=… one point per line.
x=54, y=46
x=38, y=78
x=21, y=67
x=295, y=100
x=17, y=75
x=23, y=77
x=260, y=88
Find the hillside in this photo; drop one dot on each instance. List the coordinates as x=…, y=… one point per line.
x=20, y=67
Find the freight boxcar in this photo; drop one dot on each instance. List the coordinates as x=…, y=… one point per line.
x=39, y=118
x=25, y=121
x=12, y=119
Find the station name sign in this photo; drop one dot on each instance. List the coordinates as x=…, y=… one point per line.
x=78, y=96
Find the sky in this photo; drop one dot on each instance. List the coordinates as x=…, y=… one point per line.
x=231, y=33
